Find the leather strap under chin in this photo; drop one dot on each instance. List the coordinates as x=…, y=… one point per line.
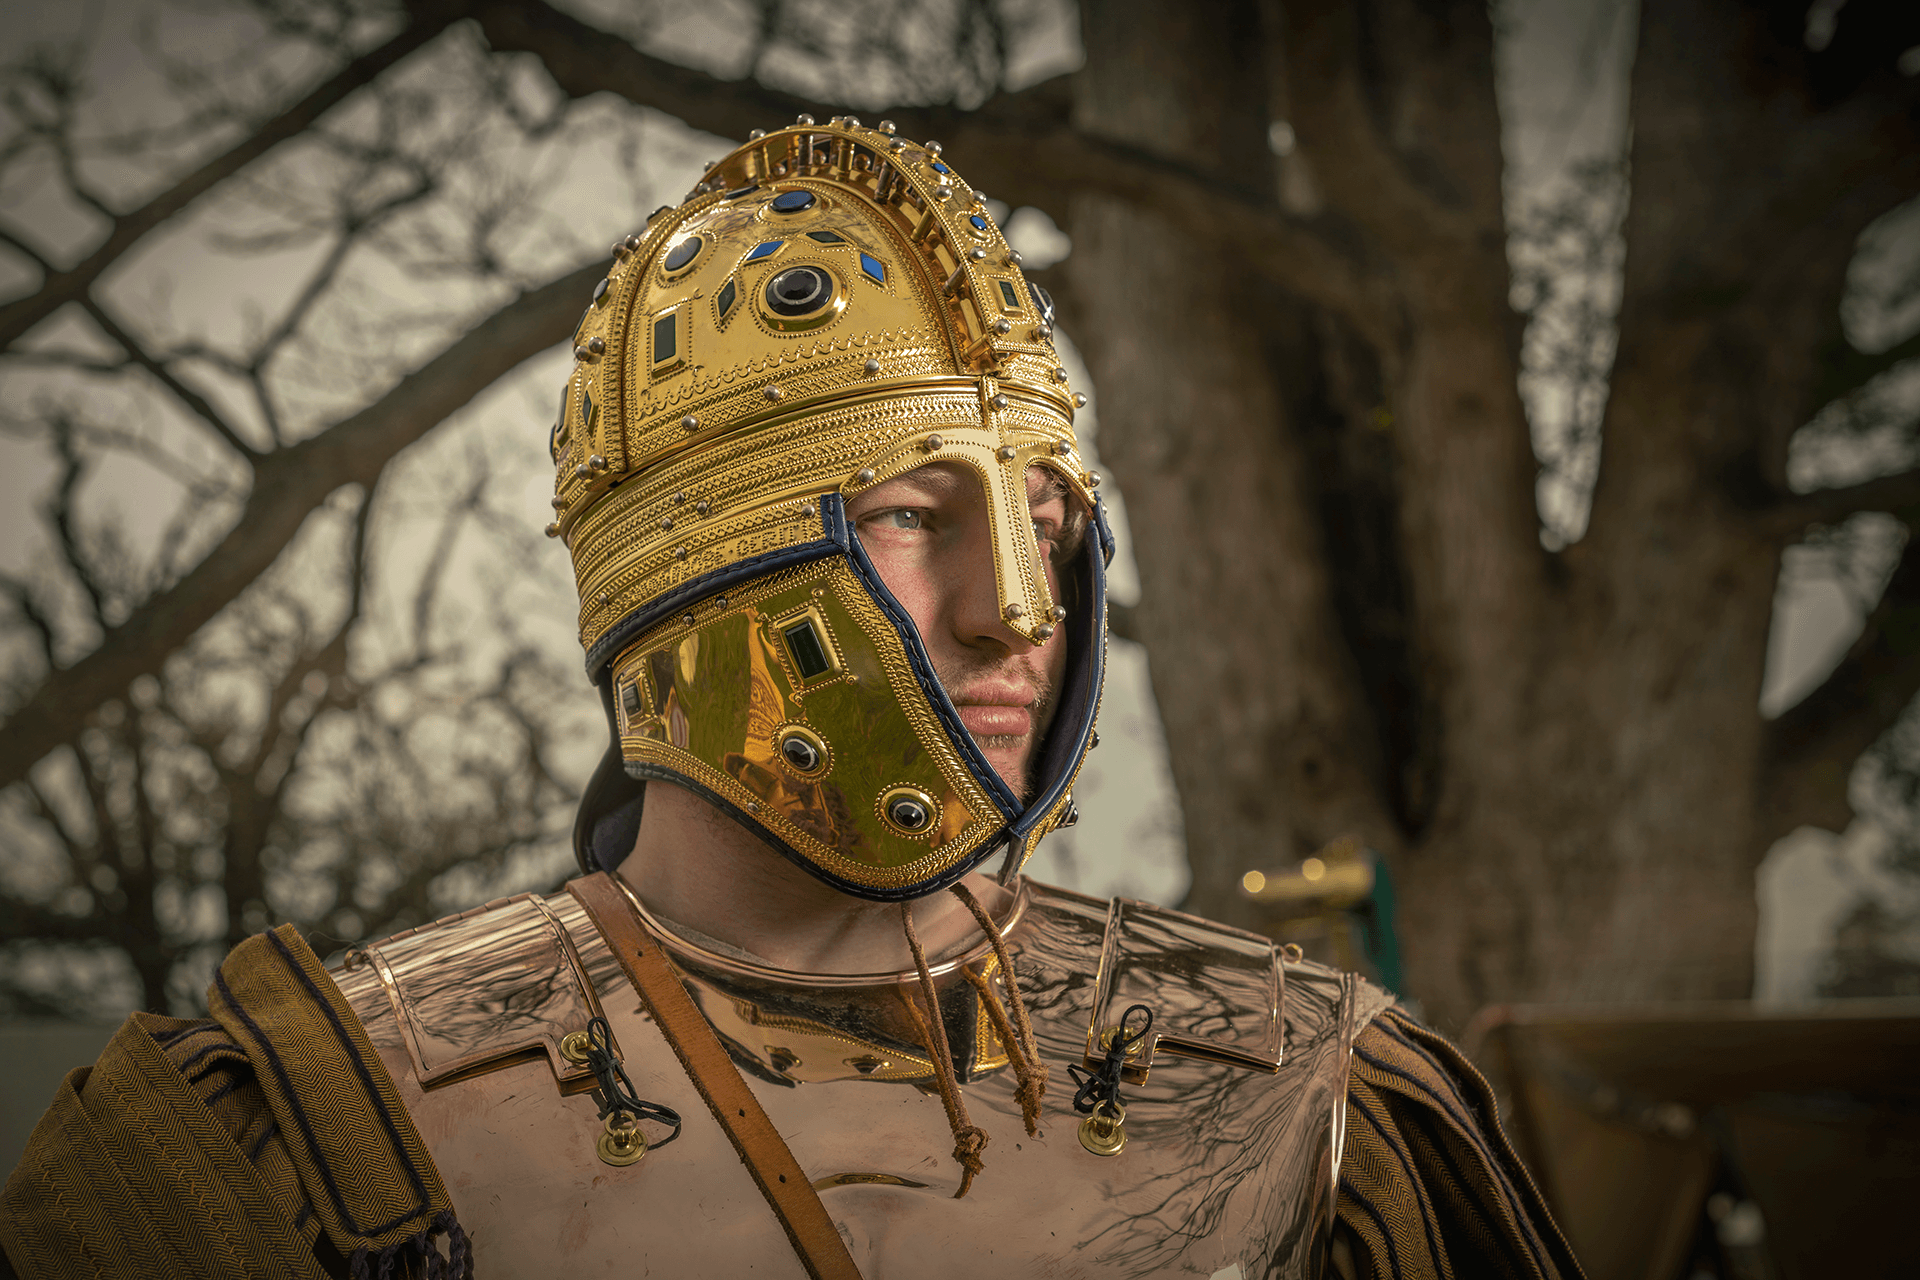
x=761, y=1148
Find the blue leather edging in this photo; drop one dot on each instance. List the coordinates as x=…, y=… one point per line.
x=834, y=539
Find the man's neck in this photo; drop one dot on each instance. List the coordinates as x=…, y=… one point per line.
x=698, y=868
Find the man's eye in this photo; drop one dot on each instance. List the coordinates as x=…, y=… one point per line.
x=899, y=519
x=1043, y=531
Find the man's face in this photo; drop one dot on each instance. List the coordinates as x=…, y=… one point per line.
x=927, y=535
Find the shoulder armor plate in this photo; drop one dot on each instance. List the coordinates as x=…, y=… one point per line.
x=493, y=985
x=1215, y=991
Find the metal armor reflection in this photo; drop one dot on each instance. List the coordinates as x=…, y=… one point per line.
x=1224, y=1166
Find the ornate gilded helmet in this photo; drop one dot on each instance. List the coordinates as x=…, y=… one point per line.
x=831, y=306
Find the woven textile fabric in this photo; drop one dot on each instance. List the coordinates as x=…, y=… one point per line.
x=266, y=1140
x=1429, y=1187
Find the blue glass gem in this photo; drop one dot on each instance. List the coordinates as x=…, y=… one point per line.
x=683, y=253
x=825, y=237
x=1042, y=302
x=600, y=290
x=940, y=168
x=979, y=223
x=792, y=201
x=874, y=267
x=765, y=249
x=664, y=339
x=725, y=301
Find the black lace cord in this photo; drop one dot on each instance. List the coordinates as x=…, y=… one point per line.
x=1103, y=1085
x=616, y=1091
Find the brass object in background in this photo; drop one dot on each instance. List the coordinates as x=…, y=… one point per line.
x=621, y=1142
x=1105, y=1131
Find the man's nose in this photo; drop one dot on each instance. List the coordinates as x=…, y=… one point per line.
x=974, y=595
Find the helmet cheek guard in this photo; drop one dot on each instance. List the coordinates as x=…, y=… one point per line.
x=816, y=319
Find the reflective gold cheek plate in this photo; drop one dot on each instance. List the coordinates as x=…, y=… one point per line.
x=622, y=1143
x=1105, y=1131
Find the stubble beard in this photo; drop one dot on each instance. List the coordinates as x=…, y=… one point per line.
x=1040, y=710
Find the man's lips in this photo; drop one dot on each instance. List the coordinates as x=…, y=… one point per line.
x=995, y=719
x=997, y=709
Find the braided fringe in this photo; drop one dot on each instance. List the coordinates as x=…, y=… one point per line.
x=399, y=1259
x=1028, y=1069
x=969, y=1140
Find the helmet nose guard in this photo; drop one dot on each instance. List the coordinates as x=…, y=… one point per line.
x=828, y=309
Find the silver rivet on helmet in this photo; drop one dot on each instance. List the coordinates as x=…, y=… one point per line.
x=1093, y=479
x=803, y=118
x=1016, y=610
x=1079, y=401
x=942, y=192
x=772, y=393
x=597, y=345
x=1059, y=375
x=559, y=503
x=605, y=599
x=934, y=442
x=690, y=423
x=977, y=254
x=1059, y=613
x=666, y=522
x=933, y=148
x=583, y=471
x=701, y=508
x=581, y=353
x=1013, y=258
x=863, y=476
x=633, y=244
x=553, y=530
x=1061, y=448
x=999, y=401
x=679, y=553
x=686, y=619
x=898, y=144
x=1043, y=632
x=809, y=510
x=873, y=367
x=851, y=122
x=679, y=499
x=1003, y=326
x=888, y=127
x=1007, y=453
x=754, y=135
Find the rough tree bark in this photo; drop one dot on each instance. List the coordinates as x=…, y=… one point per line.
x=1353, y=625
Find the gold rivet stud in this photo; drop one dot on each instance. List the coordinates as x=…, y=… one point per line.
x=621, y=1143
x=574, y=1046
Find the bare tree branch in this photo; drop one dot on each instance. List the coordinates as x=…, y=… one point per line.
x=288, y=485
x=1810, y=749
x=1895, y=493
x=425, y=21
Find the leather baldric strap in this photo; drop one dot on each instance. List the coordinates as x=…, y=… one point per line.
x=760, y=1145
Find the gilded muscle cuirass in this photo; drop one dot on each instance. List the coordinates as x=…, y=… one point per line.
x=1233, y=1119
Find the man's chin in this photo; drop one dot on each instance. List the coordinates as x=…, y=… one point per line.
x=1010, y=758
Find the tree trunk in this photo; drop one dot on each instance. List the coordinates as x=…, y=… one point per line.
x=1353, y=626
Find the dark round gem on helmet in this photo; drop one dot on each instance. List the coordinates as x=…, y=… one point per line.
x=799, y=290
x=792, y=201
x=800, y=754
x=683, y=253
x=909, y=814
x=1042, y=302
